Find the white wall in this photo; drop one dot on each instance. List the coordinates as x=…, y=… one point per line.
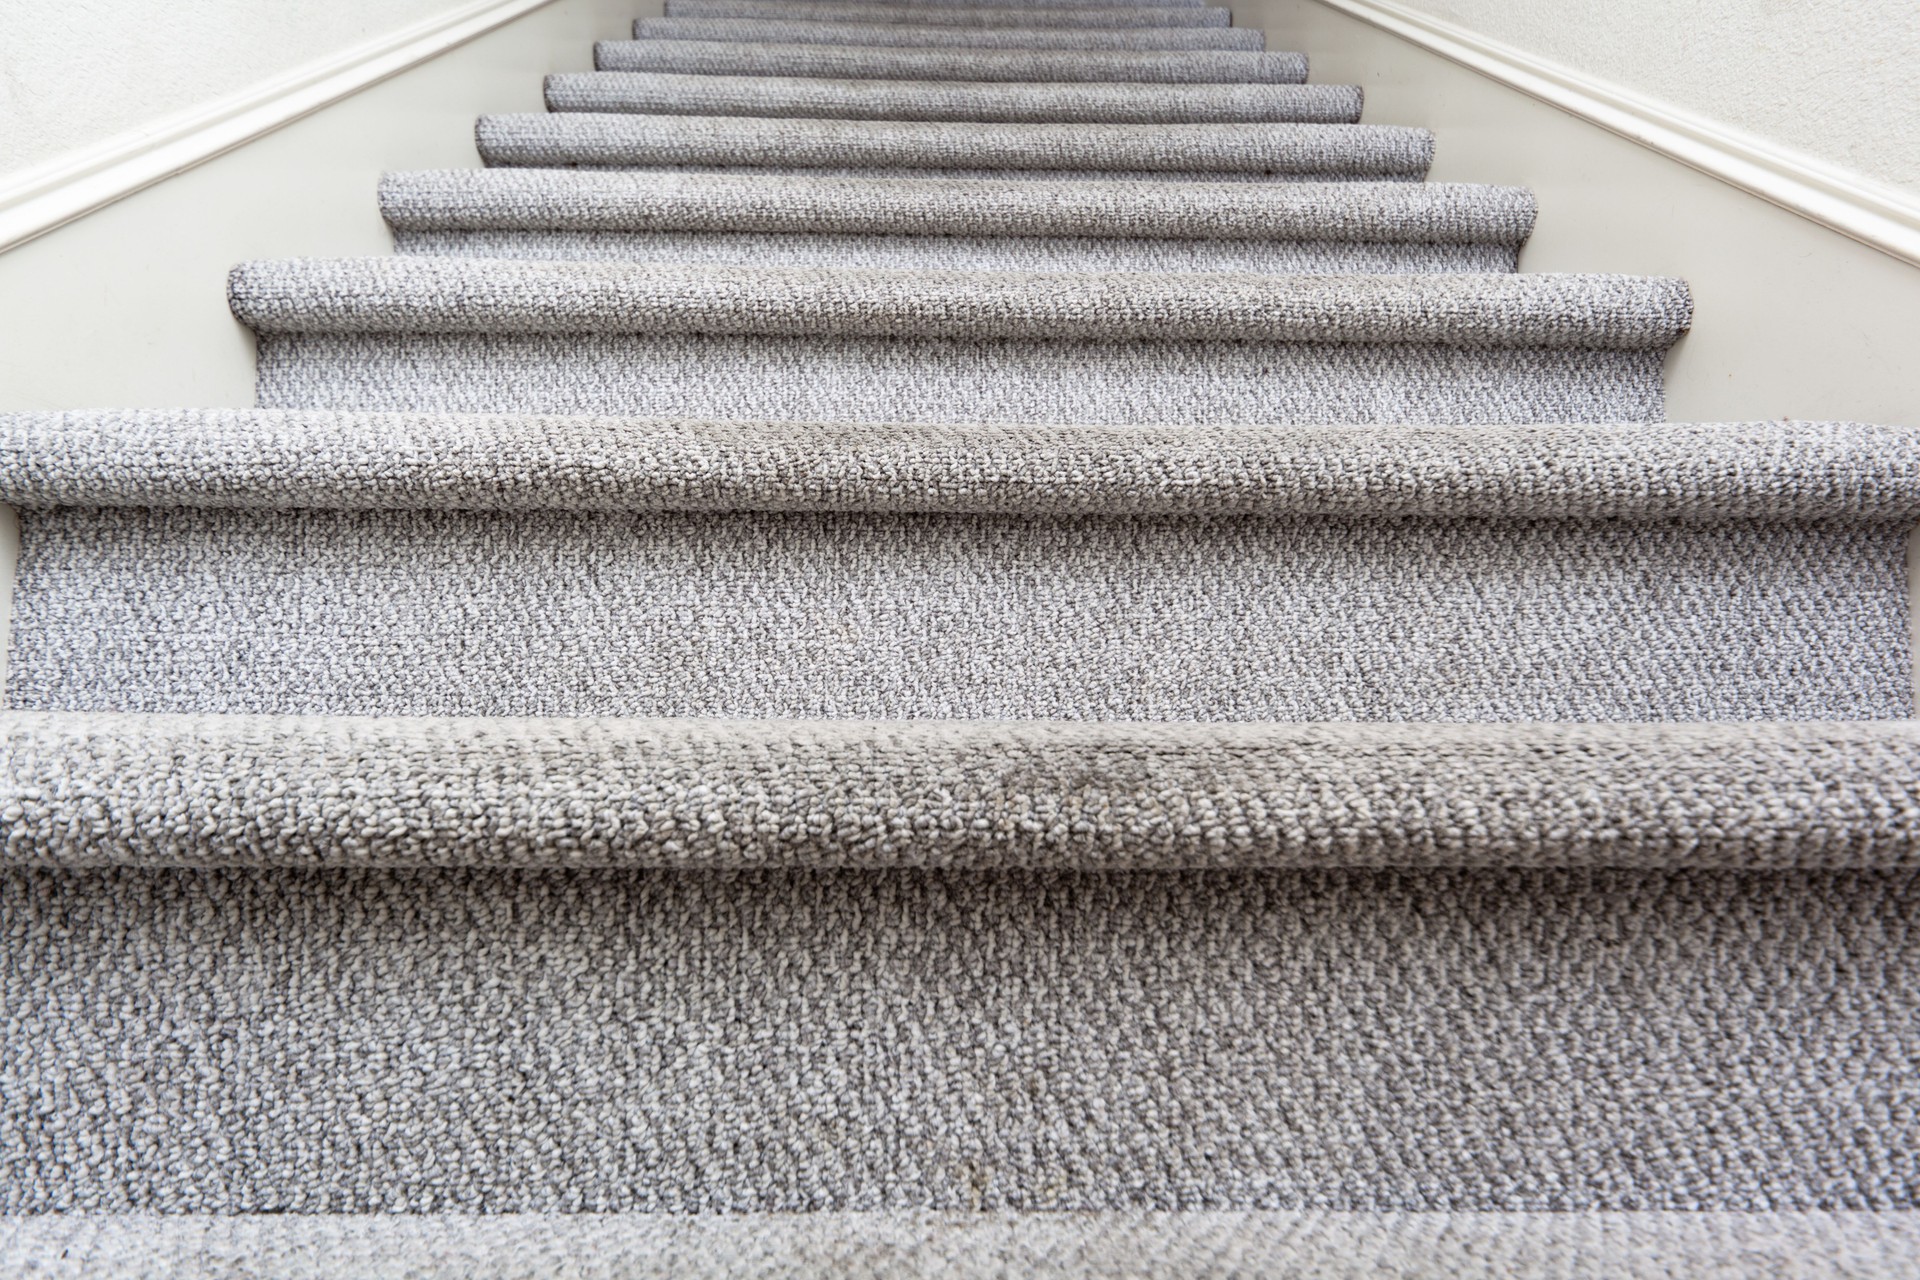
x=127, y=305
x=1837, y=79
x=77, y=72
x=1791, y=318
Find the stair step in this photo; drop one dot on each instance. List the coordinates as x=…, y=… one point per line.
x=757, y=30
x=583, y=1043
x=717, y=95
x=1167, y=152
x=544, y=199
x=1022, y=5
x=460, y=335
x=957, y=224
x=421, y=565
x=962, y=1245
x=1119, y=16
x=730, y=58
x=99, y=790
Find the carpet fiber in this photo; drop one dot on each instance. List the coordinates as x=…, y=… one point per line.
x=925, y=638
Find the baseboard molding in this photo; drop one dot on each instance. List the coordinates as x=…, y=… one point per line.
x=35, y=201
x=1872, y=213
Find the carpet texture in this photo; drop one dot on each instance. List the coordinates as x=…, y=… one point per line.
x=318, y=792
x=941, y=380
x=982, y=17
x=917, y=36
x=1506, y=311
x=972, y=1246
x=1679, y=473
x=926, y=638
x=733, y=58
x=557, y=613
x=693, y=1042
x=1072, y=596
x=963, y=253
x=461, y=335
x=946, y=100
x=1351, y=152
x=954, y=225
x=543, y=200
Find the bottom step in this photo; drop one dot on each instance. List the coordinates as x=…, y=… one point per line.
x=868, y=1246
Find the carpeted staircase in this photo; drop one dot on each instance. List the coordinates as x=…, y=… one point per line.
x=920, y=639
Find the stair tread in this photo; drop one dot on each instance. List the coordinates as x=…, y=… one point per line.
x=948, y=100
x=902, y=35
x=534, y=199
x=955, y=1245
x=1355, y=151
x=575, y=200
x=318, y=791
x=720, y=57
x=1042, y=5
x=263, y=459
x=986, y=16
x=981, y=17
x=435, y=295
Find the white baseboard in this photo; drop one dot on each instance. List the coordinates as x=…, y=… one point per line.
x=35, y=201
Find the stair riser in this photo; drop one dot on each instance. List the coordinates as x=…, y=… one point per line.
x=410, y=1042
x=548, y=613
x=544, y=200
x=1030, y=66
x=1114, y=17
x=902, y=35
x=1197, y=1245
x=649, y=94
x=907, y=149
x=957, y=253
x=876, y=380
x=829, y=170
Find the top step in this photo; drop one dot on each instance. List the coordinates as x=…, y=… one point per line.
x=930, y=16
x=676, y=9
x=903, y=35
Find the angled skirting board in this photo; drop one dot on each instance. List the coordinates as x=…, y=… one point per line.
x=1792, y=317
x=126, y=304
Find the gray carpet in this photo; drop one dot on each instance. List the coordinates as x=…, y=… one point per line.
x=701, y=1042
x=919, y=36
x=1122, y=16
x=733, y=58
x=317, y=792
x=743, y=615
x=924, y=639
x=972, y=1246
x=955, y=225
x=940, y=380
x=1177, y=151
x=1405, y=214
x=460, y=335
x=1684, y=474
x=995, y=613
x=796, y=97
x=963, y=253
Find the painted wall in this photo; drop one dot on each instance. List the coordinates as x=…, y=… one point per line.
x=1791, y=318
x=1837, y=79
x=74, y=73
x=128, y=304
